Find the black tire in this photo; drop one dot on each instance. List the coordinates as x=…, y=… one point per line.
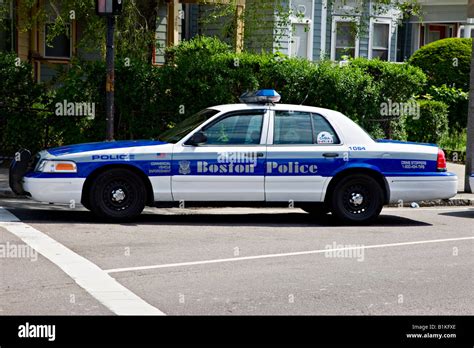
x=117, y=195
x=357, y=199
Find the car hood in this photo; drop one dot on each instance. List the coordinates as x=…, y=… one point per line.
x=78, y=148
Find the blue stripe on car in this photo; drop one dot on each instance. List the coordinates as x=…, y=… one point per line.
x=70, y=149
x=325, y=167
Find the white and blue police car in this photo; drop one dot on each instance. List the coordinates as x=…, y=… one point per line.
x=258, y=152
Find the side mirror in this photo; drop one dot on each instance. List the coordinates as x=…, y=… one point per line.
x=197, y=139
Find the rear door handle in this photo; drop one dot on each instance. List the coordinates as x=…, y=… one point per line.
x=330, y=154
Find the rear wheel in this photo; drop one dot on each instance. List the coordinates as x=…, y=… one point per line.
x=117, y=194
x=357, y=199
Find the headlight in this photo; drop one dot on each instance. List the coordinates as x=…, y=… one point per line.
x=48, y=166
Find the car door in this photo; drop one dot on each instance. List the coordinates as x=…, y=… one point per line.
x=229, y=165
x=303, y=151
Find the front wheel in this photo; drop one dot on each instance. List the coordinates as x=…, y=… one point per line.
x=357, y=199
x=117, y=194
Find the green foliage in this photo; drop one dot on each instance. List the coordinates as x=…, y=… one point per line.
x=205, y=72
x=455, y=141
x=397, y=82
x=457, y=101
x=431, y=125
x=138, y=101
x=446, y=61
x=21, y=107
x=200, y=47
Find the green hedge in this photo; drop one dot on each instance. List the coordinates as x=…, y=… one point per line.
x=430, y=125
x=457, y=101
x=446, y=61
x=22, y=122
x=205, y=72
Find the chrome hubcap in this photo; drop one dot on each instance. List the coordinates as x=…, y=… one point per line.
x=118, y=195
x=356, y=199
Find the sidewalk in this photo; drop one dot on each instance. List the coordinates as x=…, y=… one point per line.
x=461, y=199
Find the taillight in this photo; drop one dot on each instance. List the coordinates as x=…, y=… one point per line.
x=441, y=162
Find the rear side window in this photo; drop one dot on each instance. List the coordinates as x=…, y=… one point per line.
x=323, y=133
x=294, y=127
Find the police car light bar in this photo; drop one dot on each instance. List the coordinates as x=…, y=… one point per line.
x=262, y=96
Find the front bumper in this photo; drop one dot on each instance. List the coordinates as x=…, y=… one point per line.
x=54, y=190
x=422, y=188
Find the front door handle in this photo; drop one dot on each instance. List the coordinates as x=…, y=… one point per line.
x=330, y=154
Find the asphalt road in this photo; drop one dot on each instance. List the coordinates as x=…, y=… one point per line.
x=235, y=261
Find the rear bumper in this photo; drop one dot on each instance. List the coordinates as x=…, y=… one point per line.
x=54, y=190
x=421, y=188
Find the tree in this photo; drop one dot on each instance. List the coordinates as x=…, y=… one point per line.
x=136, y=27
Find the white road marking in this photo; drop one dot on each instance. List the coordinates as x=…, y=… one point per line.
x=268, y=256
x=86, y=274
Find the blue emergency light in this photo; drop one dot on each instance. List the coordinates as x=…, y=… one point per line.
x=262, y=96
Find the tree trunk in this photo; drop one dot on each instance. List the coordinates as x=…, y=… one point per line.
x=149, y=12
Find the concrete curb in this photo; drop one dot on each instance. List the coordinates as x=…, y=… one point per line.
x=456, y=201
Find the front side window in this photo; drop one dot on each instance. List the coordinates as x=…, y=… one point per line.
x=304, y=128
x=381, y=40
x=236, y=129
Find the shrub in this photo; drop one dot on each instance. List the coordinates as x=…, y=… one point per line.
x=21, y=107
x=432, y=124
x=139, y=112
x=397, y=82
x=457, y=101
x=446, y=61
x=201, y=73
x=198, y=47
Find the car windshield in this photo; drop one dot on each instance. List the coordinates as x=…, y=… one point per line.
x=179, y=131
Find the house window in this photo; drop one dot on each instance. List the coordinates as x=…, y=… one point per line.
x=344, y=40
x=380, y=41
x=60, y=46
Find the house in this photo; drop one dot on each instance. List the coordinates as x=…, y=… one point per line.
x=317, y=29
x=440, y=19
x=311, y=29
x=173, y=25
